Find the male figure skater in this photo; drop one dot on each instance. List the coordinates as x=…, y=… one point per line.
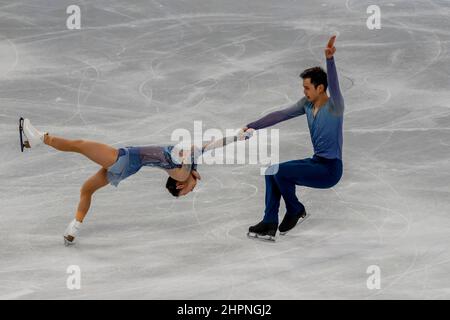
x=324, y=170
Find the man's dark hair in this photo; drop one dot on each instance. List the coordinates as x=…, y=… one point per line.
x=316, y=75
x=171, y=185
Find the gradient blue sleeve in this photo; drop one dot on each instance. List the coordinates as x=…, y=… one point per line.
x=293, y=111
x=337, y=105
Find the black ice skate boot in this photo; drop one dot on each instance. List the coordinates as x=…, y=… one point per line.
x=291, y=220
x=263, y=230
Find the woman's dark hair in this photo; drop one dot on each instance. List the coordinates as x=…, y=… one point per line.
x=316, y=75
x=171, y=185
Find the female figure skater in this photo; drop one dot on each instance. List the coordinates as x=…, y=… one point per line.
x=118, y=164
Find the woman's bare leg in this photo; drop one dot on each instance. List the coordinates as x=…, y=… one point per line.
x=100, y=153
x=91, y=185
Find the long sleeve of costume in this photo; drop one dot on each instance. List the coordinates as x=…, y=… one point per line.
x=214, y=144
x=275, y=117
x=333, y=88
x=193, y=152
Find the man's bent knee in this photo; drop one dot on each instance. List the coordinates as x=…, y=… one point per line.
x=280, y=171
x=272, y=170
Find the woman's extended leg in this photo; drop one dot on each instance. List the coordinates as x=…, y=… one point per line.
x=100, y=153
x=91, y=185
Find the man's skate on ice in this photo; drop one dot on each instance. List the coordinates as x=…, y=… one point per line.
x=324, y=170
x=118, y=164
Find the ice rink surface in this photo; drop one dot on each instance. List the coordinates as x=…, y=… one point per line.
x=137, y=70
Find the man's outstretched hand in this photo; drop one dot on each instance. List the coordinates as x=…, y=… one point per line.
x=330, y=49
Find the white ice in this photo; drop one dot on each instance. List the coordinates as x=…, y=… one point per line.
x=139, y=69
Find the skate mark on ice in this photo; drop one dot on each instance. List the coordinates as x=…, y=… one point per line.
x=16, y=56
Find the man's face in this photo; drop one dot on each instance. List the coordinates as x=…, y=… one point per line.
x=311, y=93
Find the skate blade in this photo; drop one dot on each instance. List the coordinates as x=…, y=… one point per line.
x=21, y=134
x=298, y=222
x=24, y=143
x=259, y=237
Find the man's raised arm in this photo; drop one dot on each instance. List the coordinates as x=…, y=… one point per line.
x=333, y=82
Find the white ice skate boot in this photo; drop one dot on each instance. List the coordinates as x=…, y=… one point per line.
x=72, y=231
x=34, y=136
